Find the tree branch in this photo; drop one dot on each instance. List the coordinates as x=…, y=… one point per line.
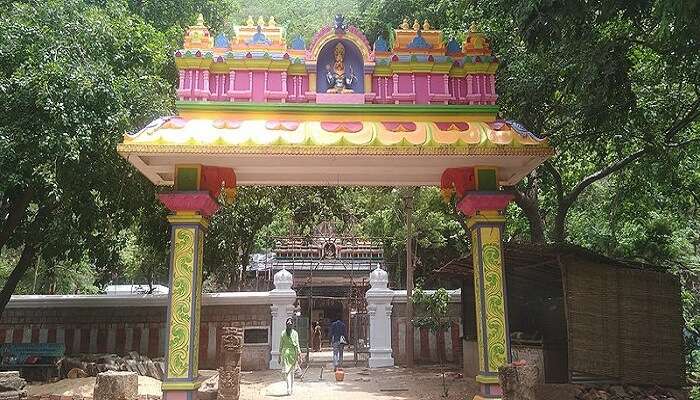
x=15, y=214
x=604, y=172
x=549, y=167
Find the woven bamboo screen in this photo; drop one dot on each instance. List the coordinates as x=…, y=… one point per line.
x=623, y=324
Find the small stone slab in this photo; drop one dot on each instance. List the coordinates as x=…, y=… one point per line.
x=114, y=385
x=11, y=381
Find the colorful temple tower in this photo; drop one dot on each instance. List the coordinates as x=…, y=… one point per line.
x=258, y=66
x=254, y=110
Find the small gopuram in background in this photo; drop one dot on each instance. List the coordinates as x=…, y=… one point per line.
x=260, y=109
x=331, y=277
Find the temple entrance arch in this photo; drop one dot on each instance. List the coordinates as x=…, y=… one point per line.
x=250, y=113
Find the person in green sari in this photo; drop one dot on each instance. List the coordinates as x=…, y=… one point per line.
x=289, y=354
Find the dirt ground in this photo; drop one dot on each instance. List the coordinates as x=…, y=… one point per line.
x=360, y=384
x=85, y=386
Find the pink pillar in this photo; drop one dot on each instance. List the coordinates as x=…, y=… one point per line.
x=265, y=86
x=446, y=84
x=231, y=83
x=386, y=88
x=395, y=88
x=205, y=84
x=429, y=88
x=181, y=83
x=284, y=87
x=413, y=85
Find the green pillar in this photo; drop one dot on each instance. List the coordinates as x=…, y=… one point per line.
x=491, y=301
x=184, y=304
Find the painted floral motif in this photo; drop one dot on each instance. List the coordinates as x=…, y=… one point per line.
x=399, y=126
x=282, y=125
x=477, y=295
x=495, y=305
x=226, y=124
x=180, y=303
x=348, y=127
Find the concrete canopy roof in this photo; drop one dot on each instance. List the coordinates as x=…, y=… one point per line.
x=351, y=145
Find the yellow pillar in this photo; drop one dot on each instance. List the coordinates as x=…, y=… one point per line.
x=491, y=301
x=184, y=304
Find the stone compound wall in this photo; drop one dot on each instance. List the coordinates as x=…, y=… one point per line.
x=428, y=347
x=119, y=324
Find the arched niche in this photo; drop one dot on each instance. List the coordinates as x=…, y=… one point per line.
x=353, y=60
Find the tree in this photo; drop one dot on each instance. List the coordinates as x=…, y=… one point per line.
x=73, y=78
x=433, y=313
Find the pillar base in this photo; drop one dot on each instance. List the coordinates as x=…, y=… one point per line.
x=380, y=359
x=489, y=391
x=180, y=395
x=180, y=390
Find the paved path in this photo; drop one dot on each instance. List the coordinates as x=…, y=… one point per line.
x=359, y=384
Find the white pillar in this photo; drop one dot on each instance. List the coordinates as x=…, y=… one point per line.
x=282, y=298
x=379, y=308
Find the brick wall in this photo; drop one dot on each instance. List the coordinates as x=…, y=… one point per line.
x=428, y=347
x=100, y=324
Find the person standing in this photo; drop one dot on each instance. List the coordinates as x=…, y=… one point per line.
x=338, y=342
x=289, y=354
x=317, y=336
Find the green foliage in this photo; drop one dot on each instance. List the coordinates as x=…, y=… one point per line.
x=432, y=309
x=73, y=78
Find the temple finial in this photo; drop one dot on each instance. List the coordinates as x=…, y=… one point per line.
x=404, y=25
x=426, y=25
x=200, y=20
x=473, y=28
x=272, y=23
x=261, y=21
x=250, y=21
x=416, y=25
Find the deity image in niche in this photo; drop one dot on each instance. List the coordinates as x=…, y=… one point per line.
x=338, y=80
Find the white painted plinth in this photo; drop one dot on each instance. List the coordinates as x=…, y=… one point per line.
x=282, y=299
x=379, y=309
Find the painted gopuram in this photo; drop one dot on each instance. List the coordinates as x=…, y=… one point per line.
x=259, y=108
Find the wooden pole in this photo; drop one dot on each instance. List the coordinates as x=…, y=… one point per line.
x=408, y=199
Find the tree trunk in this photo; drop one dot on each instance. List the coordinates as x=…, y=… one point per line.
x=28, y=257
x=531, y=210
x=559, y=229
x=25, y=261
x=18, y=208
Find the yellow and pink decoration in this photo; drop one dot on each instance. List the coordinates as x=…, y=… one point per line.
x=255, y=110
x=258, y=65
x=198, y=187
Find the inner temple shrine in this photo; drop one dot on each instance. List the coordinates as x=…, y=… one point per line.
x=260, y=109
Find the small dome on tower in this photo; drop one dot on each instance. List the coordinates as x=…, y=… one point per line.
x=197, y=36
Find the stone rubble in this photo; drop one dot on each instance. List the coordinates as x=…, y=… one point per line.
x=12, y=386
x=93, y=364
x=116, y=385
x=618, y=392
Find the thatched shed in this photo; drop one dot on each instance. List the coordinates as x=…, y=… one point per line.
x=591, y=318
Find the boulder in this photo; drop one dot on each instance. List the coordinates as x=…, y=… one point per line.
x=11, y=381
x=209, y=389
x=113, y=385
x=518, y=381
x=13, y=395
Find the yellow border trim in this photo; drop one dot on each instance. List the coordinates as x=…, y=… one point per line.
x=487, y=379
x=427, y=151
x=174, y=386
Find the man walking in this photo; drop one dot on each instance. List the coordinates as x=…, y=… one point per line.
x=289, y=354
x=338, y=341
